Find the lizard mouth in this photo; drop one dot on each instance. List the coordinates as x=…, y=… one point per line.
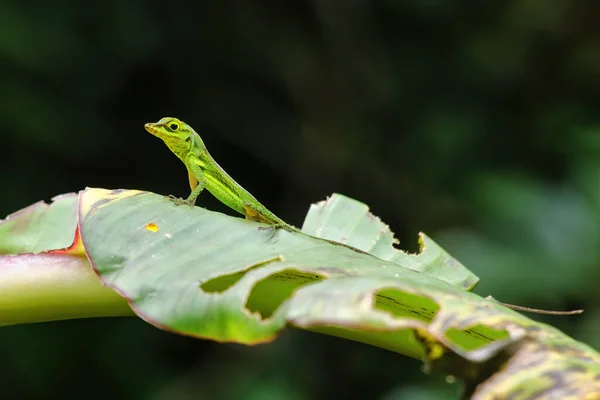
x=151, y=128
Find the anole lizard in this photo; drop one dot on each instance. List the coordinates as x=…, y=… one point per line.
x=204, y=172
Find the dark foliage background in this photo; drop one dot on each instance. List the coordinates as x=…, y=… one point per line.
x=475, y=122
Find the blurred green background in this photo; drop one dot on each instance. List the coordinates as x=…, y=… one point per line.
x=475, y=122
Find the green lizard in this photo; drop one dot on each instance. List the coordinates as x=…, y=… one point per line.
x=204, y=172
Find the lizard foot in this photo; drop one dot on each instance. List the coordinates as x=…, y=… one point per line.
x=273, y=229
x=178, y=201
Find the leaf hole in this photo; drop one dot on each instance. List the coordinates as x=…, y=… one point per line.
x=476, y=336
x=224, y=282
x=269, y=293
x=405, y=305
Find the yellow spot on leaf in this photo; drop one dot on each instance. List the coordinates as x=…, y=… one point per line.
x=152, y=227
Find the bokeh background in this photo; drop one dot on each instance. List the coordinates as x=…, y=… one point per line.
x=475, y=122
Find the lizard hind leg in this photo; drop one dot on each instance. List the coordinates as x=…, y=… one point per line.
x=253, y=215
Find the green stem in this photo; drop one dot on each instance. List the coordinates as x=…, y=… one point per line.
x=48, y=287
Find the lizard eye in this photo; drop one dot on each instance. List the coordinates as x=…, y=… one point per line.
x=173, y=126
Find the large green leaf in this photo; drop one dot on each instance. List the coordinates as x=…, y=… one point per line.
x=204, y=274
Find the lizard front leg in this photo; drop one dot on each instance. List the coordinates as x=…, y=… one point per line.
x=197, y=183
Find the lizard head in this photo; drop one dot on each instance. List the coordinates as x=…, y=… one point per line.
x=176, y=134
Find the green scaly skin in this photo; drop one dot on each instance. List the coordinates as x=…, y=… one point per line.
x=204, y=172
